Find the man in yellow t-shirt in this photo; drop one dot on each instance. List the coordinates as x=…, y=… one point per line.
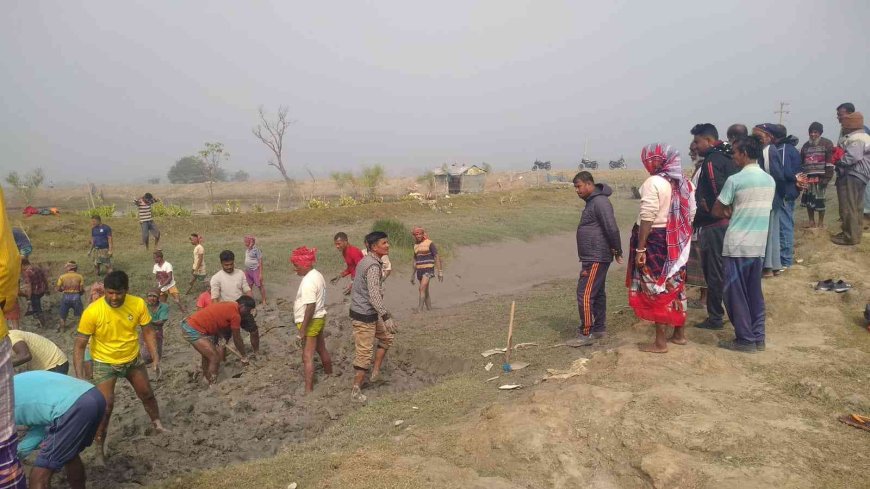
x=111, y=324
x=11, y=472
x=39, y=352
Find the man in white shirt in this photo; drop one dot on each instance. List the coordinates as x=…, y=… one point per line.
x=309, y=312
x=228, y=284
x=166, y=280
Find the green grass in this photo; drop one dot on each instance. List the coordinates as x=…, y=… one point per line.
x=461, y=220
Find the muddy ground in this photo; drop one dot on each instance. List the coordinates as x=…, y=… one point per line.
x=259, y=410
x=697, y=417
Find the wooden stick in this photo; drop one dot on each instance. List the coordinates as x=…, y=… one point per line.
x=510, y=338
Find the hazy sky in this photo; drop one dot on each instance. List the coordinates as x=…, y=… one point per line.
x=113, y=91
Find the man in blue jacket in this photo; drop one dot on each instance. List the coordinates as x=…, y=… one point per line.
x=598, y=243
x=785, y=164
x=61, y=414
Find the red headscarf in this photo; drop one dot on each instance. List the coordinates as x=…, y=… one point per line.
x=303, y=256
x=664, y=160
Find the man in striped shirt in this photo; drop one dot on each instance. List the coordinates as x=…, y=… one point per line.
x=146, y=221
x=746, y=199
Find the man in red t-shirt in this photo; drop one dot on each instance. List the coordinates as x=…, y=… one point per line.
x=221, y=320
x=352, y=256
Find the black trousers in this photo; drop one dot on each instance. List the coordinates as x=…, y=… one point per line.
x=711, y=241
x=592, y=297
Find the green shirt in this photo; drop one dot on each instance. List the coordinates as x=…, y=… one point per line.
x=161, y=314
x=749, y=192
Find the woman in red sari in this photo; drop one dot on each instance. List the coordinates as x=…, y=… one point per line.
x=660, y=243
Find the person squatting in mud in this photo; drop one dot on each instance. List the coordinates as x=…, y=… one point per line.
x=370, y=318
x=426, y=263
x=309, y=311
x=112, y=325
x=204, y=329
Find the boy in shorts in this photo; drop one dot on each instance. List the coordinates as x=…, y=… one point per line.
x=166, y=280
x=426, y=263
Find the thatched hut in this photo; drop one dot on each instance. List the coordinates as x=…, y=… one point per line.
x=460, y=179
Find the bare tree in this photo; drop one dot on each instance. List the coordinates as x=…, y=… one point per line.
x=26, y=185
x=212, y=157
x=271, y=133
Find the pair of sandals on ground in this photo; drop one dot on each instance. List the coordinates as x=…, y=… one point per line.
x=829, y=285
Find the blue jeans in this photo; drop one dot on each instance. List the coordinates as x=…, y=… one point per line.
x=786, y=232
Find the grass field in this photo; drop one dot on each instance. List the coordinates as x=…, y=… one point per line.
x=459, y=220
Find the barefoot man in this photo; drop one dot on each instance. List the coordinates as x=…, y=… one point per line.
x=113, y=323
x=371, y=320
x=218, y=320
x=426, y=263
x=165, y=276
x=61, y=414
x=309, y=311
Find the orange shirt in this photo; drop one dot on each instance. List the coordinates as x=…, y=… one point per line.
x=215, y=317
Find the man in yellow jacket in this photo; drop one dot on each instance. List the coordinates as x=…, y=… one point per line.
x=11, y=473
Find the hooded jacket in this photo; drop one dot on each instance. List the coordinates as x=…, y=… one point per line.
x=784, y=165
x=597, y=233
x=856, y=160
x=715, y=169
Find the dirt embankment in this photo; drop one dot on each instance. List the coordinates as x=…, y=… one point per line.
x=697, y=417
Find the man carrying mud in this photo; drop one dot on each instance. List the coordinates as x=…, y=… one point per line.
x=112, y=324
x=219, y=320
x=370, y=318
x=309, y=312
x=352, y=256
x=426, y=264
x=598, y=243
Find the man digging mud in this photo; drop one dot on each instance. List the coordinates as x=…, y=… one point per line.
x=219, y=320
x=112, y=323
x=371, y=320
x=426, y=263
x=309, y=312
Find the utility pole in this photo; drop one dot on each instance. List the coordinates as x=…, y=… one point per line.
x=782, y=111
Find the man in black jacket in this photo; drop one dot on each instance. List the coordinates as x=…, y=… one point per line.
x=716, y=167
x=597, y=244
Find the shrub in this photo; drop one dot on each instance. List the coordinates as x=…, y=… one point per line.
x=159, y=209
x=398, y=234
x=230, y=207
x=102, y=211
x=315, y=203
x=258, y=208
x=347, y=201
